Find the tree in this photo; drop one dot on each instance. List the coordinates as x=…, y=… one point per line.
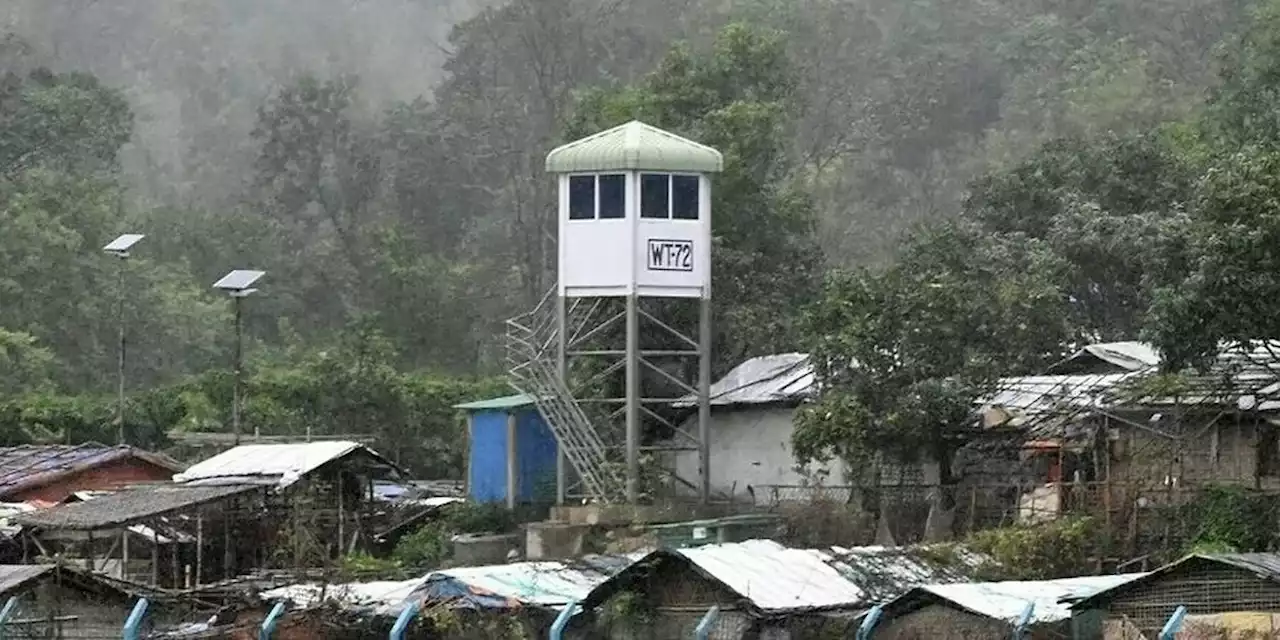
x=901, y=354
x=737, y=98
x=1228, y=295
x=25, y=365
x=1112, y=207
x=1243, y=107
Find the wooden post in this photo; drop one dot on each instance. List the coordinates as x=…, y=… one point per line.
x=513, y=484
x=174, y=547
x=155, y=558
x=226, y=540
x=342, y=514
x=199, y=546
x=973, y=508
x=124, y=553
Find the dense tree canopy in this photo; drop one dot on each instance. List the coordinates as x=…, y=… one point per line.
x=925, y=194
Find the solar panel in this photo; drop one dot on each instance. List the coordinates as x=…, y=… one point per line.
x=238, y=280
x=123, y=243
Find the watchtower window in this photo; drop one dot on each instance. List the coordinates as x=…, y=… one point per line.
x=582, y=197
x=655, y=195
x=684, y=197
x=602, y=197
x=665, y=196
x=613, y=196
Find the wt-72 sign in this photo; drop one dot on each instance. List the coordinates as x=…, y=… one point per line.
x=670, y=255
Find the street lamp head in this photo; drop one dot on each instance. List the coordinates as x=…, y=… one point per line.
x=239, y=283
x=120, y=246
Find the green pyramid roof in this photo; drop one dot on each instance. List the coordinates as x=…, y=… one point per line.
x=634, y=146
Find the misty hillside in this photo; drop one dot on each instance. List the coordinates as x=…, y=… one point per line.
x=382, y=161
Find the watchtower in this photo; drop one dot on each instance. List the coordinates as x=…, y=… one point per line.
x=634, y=220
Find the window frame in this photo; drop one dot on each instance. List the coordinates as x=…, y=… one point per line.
x=595, y=195
x=671, y=195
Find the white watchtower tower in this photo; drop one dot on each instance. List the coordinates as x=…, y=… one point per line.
x=634, y=221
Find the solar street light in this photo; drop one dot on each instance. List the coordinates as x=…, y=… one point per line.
x=120, y=248
x=238, y=284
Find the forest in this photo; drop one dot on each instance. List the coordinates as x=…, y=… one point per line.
x=940, y=192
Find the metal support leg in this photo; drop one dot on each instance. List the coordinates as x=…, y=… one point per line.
x=704, y=400
x=133, y=623
x=633, y=399
x=562, y=364
x=402, y=621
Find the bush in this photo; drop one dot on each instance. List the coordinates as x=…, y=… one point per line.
x=1039, y=552
x=1230, y=519
x=425, y=548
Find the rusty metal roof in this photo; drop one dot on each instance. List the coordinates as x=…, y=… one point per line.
x=30, y=466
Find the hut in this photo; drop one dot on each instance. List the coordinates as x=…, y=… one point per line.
x=760, y=587
x=53, y=473
x=1218, y=590
x=966, y=611
x=255, y=506
x=59, y=602
x=512, y=453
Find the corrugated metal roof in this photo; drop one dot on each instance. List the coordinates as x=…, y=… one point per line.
x=634, y=146
x=1264, y=565
x=1006, y=601
x=31, y=466
x=127, y=506
x=883, y=573
x=779, y=378
x=14, y=576
x=775, y=578
x=778, y=580
x=505, y=402
x=282, y=464
x=1125, y=356
x=1031, y=399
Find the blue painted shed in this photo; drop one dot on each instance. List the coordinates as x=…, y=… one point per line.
x=511, y=455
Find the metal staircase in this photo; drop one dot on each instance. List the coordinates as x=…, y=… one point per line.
x=532, y=364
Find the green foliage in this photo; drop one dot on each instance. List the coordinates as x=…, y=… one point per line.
x=1230, y=519
x=483, y=518
x=1063, y=547
x=432, y=544
x=359, y=567
x=28, y=366
x=902, y=352
x=1221, y=299
x=627, y=610
x=425, y=548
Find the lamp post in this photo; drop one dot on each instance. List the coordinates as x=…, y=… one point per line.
x=239, y=285
x=120, y=248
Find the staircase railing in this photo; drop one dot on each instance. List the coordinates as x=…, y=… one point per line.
x=531, y=353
